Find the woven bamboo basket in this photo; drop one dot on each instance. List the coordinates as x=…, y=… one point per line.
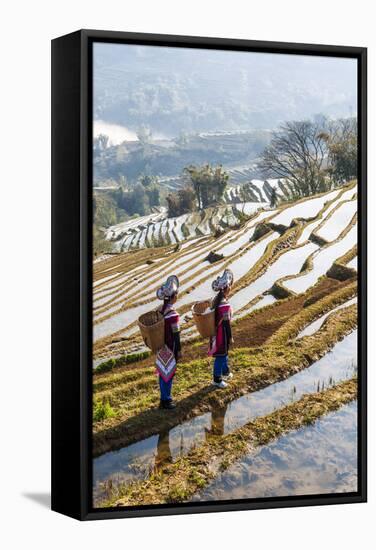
x=204, y=318
x=151, y=325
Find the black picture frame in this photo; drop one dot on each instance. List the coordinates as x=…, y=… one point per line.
x=72, y=271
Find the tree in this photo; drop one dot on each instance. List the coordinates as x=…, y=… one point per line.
x=209, y=184
x=187, y=199
x=150, y=183
x=343, y=150
x=153, y=195
x=135, y=201
x=298, y=152
x=139, y=200
x=181, y=202
x=104, y=210
x=173, y=206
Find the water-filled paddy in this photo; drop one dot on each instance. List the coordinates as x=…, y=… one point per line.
x=317, y=459
x=322, y=261
x=288, y=263
x=338, y=221
x=306, y=209
x=136, y=461
x=316, y=325
x=353, y=263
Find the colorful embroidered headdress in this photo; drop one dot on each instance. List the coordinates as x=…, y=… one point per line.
x=223, y=281
x=169, y=288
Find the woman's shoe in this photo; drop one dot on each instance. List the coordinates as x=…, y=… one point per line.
x=222, y=384
x=228, y=376
x=167, y=405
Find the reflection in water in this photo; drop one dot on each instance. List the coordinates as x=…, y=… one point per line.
x=164, y=454
x=316, y=459
x=128, y=464
x=217, y=421
x=136, y=461
x=337, y=365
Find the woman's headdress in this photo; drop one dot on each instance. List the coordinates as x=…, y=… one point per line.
x=169, y=288
x=223, y=281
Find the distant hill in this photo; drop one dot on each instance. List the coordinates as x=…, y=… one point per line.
x=167, y=158
x=173, y=90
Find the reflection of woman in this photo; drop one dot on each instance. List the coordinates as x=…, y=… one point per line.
x=168, y=356
x=219, y=344
x=163, y=449
x=217, y=421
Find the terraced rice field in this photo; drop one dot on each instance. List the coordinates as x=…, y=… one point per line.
x=158, y=230
x=293, y=359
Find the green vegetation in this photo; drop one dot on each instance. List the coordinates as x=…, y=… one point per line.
x=113, y=206
x=181, y=202
x=209, y=183
x=111, y=364
x=102, y=410
x=106, y=210
x=204, y=187
x=100, y=245
x=139, y=198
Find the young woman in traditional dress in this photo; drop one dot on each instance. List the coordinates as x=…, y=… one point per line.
x=220, y=343
x=168, y=356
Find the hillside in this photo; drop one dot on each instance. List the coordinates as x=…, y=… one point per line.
x=167, y=158
x=158, y=230
x=294, y=300
x=287, y=242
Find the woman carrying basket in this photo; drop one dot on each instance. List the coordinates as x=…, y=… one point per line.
x=220, y=343
x=168, y=356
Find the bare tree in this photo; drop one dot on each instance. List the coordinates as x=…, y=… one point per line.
x=298, y=152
